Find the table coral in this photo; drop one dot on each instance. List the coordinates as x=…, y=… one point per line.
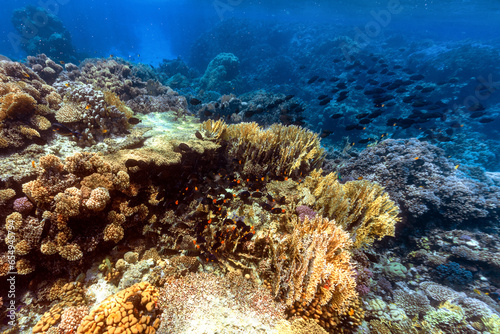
x=26, y=104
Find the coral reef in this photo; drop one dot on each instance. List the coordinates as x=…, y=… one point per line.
x=315, y=260
x=26, y=105
x=116, y=75
x=425, y=184
x=260, y=106
x=93, y=114
x=168, y=101
x=220, y=73
x=45, y=67
x=130, y=310
x=277, y=151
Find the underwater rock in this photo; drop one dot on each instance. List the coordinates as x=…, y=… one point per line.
x=220, y=73
x=50, y=38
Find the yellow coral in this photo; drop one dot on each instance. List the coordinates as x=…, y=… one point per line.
x=70, y=112
x=316, y=262
x=12, y=104
x=129, y=311
x=279, y=150
x=362, y=208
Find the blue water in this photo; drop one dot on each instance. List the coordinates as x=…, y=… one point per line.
x=280, y=46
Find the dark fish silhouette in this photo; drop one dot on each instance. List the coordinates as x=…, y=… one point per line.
x=325, y=101
x=313, y=79
x=194, y=101
x=64, y=130
x=486, y=120
x=134, y=120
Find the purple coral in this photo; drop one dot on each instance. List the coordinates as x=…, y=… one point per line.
x=303, y=211
x=22, y=205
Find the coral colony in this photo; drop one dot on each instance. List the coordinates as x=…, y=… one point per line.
x=131, y=205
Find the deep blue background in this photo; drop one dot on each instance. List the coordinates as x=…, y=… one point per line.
x=166, y=29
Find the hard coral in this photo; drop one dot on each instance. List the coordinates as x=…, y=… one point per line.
x=25, y=103
x=363, y=208
x=67, y=194
x=429, y=186
x=278, y=151
x=130, y=310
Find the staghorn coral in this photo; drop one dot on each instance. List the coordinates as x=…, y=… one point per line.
x=362, y=208
x=130, y=310
x=277, y=151
x=313, y=268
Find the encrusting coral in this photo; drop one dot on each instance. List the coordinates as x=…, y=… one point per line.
x=277, y=151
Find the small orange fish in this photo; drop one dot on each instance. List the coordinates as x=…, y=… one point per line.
x=62, y=62
x=87, y=106
x=26, y=75
x=456, y=167
x=33, y=164
x=416, y=158
x=360, y=178
x=104, y=131
x=66, y=84
x=351, y=312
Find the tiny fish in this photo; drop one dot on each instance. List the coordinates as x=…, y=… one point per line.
x=64, y=130
x=194, y=101
x=134, y=120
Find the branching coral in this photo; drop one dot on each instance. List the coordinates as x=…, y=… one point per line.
x=362, y=208
x=279, y=150
x=67, y=194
